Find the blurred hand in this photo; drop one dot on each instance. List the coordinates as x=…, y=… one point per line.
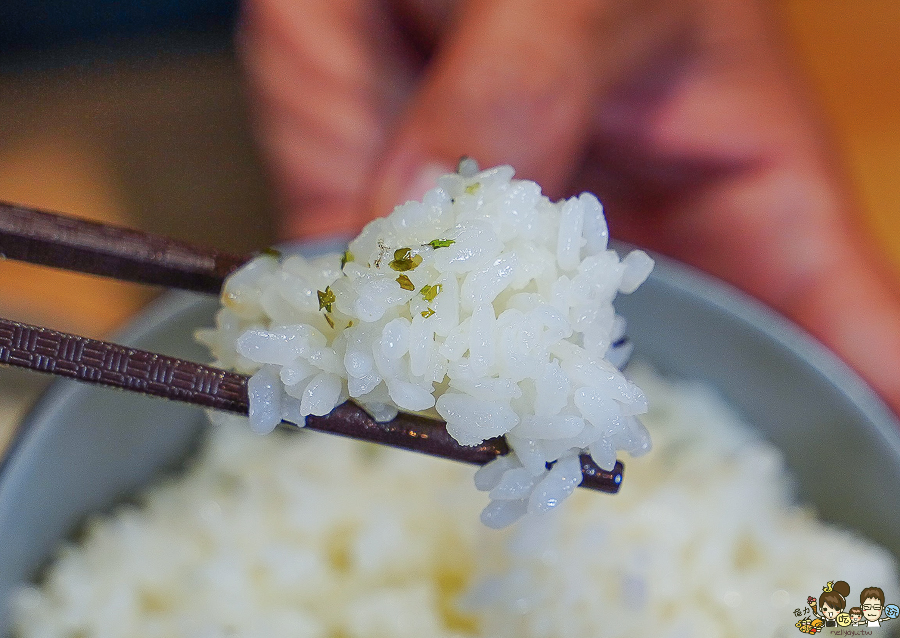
x=683, y=116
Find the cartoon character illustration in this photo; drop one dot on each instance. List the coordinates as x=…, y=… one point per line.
x=871, y=599
x=828, y=610
x=831, y=602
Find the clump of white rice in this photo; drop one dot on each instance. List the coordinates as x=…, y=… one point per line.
x=486, y=302
x=309, y=536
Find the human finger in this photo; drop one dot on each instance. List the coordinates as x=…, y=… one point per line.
x=514, y=82
x=324, y=79
x=727, y=168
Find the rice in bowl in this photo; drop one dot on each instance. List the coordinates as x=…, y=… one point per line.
x=311, y=535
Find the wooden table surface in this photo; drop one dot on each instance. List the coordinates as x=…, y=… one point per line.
x=139, y=140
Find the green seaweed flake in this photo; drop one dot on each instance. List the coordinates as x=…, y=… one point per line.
x=271, y=252
x=405, y=282
x=441, y=243
x=471, y=189
x=404, y=259
x=326, y=299
x=427, y=313
x=430, y=292
x=346, y=258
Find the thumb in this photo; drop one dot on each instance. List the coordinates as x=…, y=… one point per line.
x=511, y=83
x=853, y=306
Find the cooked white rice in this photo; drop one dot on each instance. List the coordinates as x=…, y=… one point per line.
x=486, y=302
x=308, y=535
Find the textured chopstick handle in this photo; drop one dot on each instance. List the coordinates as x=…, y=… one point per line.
x=112, y=365
x=50, y=239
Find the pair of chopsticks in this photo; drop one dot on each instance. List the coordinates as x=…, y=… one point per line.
x=50, y=239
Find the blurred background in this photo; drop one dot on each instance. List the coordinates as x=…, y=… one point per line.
x=133, y=113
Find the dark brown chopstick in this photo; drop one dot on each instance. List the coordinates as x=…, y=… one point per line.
x=50, y=239
x=116, y=366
